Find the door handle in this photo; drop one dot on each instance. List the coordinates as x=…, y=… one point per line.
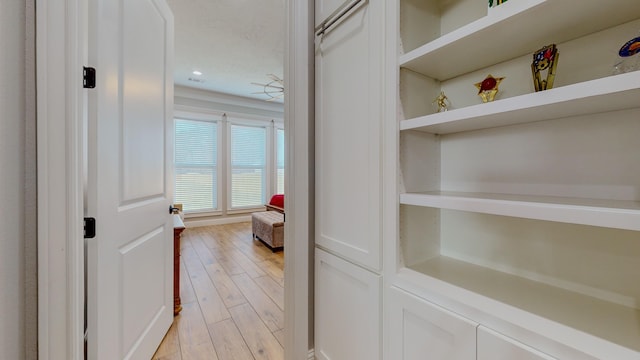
x=338, y=14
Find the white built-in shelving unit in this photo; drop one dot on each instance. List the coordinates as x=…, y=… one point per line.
x=523, y=214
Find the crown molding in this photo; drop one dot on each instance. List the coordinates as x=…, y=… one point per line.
x=216, y=98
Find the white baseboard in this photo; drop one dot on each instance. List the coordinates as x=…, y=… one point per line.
x=312, y=355
x=198, y=222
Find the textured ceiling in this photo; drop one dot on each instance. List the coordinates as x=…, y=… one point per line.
x=232, y=42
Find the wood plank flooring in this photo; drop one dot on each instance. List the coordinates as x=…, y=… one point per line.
x=232, y=291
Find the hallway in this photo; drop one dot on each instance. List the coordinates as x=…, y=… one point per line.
x=232, y=291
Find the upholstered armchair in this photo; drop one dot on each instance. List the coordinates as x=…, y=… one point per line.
x=276, y=203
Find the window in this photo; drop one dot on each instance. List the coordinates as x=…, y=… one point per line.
x=196, y=168
x=226, y=165
x=248, y=165
x=279, y=161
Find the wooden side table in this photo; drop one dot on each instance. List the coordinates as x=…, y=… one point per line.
x=178, y=228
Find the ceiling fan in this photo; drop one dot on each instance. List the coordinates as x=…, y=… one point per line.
x=274, y=89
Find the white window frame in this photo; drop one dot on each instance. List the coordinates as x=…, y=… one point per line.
x=218, y=118
x=224, y=120
x=276, y=127
x=245, y=121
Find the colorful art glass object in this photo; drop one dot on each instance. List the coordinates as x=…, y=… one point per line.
x=545, y=59
x=497, y=2
x=630, y=48
x=629, y=59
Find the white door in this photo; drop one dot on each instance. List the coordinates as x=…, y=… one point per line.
x=129, y=190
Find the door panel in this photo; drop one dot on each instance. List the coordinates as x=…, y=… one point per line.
x=422, y=330
x=349, y=87
x=130, y=261
x=347, y=310
x=142, y=89
x=495, y=346
x=141, y=260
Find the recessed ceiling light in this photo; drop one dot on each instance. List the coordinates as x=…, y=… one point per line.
x=196, y=72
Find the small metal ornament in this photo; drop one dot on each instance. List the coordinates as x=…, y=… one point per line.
x=545, y=59
x=488, y=88
x=442, y=102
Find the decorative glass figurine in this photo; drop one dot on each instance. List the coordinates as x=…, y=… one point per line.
x=545, y=59
x=629, y=59
x=488, y=88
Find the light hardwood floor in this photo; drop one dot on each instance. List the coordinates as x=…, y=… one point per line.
x=232, y=291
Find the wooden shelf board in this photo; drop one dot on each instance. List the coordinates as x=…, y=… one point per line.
x=514, y=29
x=479, y=287
x=612, y=93
x=615, y=214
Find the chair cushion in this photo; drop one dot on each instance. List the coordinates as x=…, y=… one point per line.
x=277, y=200
x=268, y=218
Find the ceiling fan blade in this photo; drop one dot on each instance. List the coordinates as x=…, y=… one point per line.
x=274, y=89
x=276, y=79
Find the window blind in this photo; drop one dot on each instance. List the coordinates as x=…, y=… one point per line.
x=280, y=161
x=196, y=168
x=248, y=165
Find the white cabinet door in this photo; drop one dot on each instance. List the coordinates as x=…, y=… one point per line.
x=495, y=346
x=347, y=310
x=324, y=9
x=349, y=111
x=421, y=330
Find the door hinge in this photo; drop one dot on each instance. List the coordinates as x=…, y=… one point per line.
x=89, y=228
x=88, y=77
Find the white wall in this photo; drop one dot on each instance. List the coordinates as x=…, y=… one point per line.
x=18, y=322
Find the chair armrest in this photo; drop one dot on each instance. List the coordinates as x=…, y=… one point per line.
x=274, y=208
